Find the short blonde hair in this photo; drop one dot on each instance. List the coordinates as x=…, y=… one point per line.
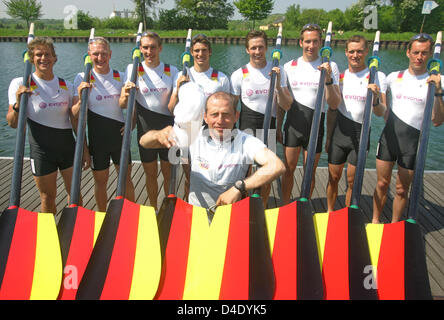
x=99, y=40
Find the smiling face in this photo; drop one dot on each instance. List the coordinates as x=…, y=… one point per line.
x=418, y=55
x=100, y=55
x=310, y=44
x=256, y=49
x=356, y=53
x=43, y=59
x=220, y=115
x=151, y=49
x=201, y=54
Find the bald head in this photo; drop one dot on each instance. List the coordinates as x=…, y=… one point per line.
x=218, y=97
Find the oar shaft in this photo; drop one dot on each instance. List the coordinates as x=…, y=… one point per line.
x=365, y=129
x=126, y=143
x=185, y=63
x=17, y=171
x=415, y=192
x=314, y=132
x=74, y=198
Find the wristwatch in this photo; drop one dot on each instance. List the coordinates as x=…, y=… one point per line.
x=329, y=82
x=240, y=185
x=14, y=107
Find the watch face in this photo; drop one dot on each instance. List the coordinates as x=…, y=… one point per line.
x=239, y=184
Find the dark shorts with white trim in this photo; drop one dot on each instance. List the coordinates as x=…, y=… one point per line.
x=297, y=127
x=398, y=142
x=149, y=120
x=344, y=143
x=250, y=121
x=51, y=149
x=104, y=140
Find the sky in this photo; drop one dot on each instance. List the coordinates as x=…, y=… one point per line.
x=54, y=9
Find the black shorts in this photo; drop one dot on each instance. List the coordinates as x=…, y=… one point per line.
x=51, y=149
x=344, y=142
x=398, y=142
x=251, y=120
x=148, y=120
x=297, y=127
x=105, y=141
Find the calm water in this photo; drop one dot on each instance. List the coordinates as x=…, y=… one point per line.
x=226, y=58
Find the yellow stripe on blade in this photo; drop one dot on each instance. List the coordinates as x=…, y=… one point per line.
x=98, y=220
x=374, y=238
x=320, y=221
x=48, y=260
x=147, y=261
x=271, y=219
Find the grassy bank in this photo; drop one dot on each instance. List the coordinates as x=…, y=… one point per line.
x=182, y=33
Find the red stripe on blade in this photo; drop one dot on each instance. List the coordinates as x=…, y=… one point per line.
x=120, y=272
x=176, y=255
x=285, y=253
x=81, y=246
x=391, y=262
x=19, y=272
x=335, y=270
x=235, y=280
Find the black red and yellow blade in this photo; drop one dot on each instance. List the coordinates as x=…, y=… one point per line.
x=294, y=252
x=125, y=262
x=228, y=259
x=344, y=255
x=30, y=259
x=398, y=260
x=78, y=229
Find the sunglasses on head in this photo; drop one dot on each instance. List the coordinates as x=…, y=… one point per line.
x=199, y=35
x=311, y=26
x=150, y=33
x=421, y=36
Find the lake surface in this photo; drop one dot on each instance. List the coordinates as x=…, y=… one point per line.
x=226, y=58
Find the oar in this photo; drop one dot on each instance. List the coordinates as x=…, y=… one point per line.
x=125, y=262
x=30, y=260
x=78, y=227
x=398, y=252
x=343, y=246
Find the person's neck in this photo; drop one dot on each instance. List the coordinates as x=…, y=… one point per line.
x=259, y=65
x=102, y=71
x=417, y=72
x=309, y=59
x=356, y=69
x=153, y=64
x=47, y=76
x=201, y=68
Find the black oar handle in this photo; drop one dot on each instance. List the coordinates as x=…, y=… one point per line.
x=434, y=67
x=186, y=59
x=319, y=104
x=81, y=128
x=365, y=129
x=17, y=171
x=126, y=143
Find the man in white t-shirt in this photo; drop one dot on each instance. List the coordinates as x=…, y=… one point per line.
x=303, y=77
x=220, y=156
x=400, y=136
x=155, y=83
x=346, y=133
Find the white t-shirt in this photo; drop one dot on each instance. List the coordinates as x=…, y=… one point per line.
x=408, y=96
x=215, y=165
x=354, y=92
x=210, y=81
x=252, y=85
x=155, y=86
x=105, y=93
x=49, y=102
x=303, y=78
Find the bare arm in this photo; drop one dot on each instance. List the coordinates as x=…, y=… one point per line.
x=155, y=139
x=438, y=106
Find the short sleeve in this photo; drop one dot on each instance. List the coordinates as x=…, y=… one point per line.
x=236, y=82
x=77, y=80
x=251, y=147
x=13, y=87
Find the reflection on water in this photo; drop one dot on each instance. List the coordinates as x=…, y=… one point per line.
x=225, y=58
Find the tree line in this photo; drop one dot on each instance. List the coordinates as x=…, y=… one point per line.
x=391, y=15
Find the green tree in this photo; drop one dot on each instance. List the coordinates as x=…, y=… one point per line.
x=84, y=20
x=254, y=9
x=143, y=8
x=411, y=18
x=337, y=17
x=207, y=15
x=292, y=16
x=27, y=10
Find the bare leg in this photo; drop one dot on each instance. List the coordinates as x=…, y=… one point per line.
x=384, y=176
x=291, y=157
x=165, y=167
x=351, y=169
x=403, y=181
x=315, y=165
x=150, y=169
x=100, y=183
x=334, y=175
x=47, y=186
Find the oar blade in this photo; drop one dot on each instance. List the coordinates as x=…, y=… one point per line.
x=294, y=252
x=399, y=260
x=125, y=262
x=78, y=229
x=344, y=255
x=30, y=258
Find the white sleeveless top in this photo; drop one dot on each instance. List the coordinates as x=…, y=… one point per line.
x=155, y=86
x=354, y=92
x=49, y=102
x=105, y=93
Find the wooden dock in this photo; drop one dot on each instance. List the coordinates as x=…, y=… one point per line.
x=431, y=215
